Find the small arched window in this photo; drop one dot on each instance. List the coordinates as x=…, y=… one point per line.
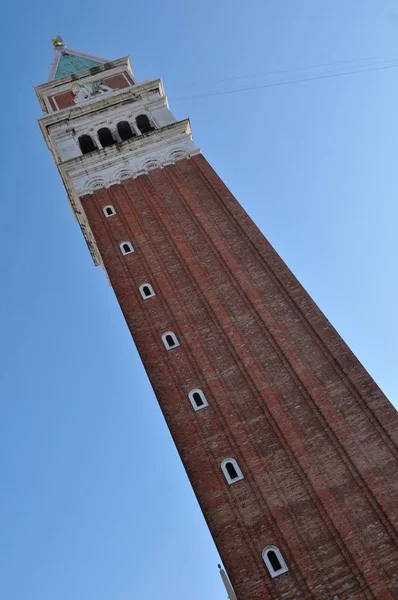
x=86, y=144
x=198, y=399
x=124, y=130
x=274, y=561
x=144, y=124
x=170, y=340
x=146, y=291
x=105, y=137
x=109, y=210
x=126, y=247
x=231, y=470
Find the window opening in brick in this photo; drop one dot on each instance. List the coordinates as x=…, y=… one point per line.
x=231, y=470
x=109, y=211
x=86, y=144
x=105, y=137
x=126, y=247
x=274, y=561
x=198, y=399
x=170, y=340
x=146, y=291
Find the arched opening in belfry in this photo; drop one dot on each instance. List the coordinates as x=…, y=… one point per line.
x=144, y=124
x=124, y=130
x=86, y=144
x=105, y=137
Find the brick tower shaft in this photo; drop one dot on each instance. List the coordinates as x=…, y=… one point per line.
x=288, y=443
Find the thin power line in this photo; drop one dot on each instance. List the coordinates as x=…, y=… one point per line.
x=287, y=82
x=379, y=58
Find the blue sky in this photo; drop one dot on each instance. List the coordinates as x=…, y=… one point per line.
x=94, y=502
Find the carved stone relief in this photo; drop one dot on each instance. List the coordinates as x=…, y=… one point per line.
x=82, y=93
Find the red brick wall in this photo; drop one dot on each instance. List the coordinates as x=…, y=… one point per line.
x=309, y=428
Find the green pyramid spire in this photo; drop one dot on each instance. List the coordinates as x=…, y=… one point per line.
x=67, y=62
x=72, y=63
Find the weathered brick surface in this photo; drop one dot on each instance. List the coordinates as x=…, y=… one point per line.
x=313, y=434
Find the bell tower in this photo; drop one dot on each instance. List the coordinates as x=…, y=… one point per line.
x=290, y=446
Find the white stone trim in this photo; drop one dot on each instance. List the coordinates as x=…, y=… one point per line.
x=191, y=395
x=59, y=128
x=166, y=343
x=273, y=572
x=96, y=184
x=135, y=157
x=127, y=81
x=123, y=250
x=227, y=476
x=150, y=164
x=84, y=174
x=121, y=175
x=55, y=102
x=143, y=295
x=113, y=213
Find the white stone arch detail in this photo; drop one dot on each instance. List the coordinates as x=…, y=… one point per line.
x=120, y=175
x=112, y=210
x=95, y=184
x=234, y=463
x=191, y=396
x=142, y=291
x=283, y=566
x=151, y=163
x=166, y=342
x=178, y=154
x=124, y=173
x=126, y=247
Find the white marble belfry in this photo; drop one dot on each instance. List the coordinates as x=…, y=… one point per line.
x=82, y=174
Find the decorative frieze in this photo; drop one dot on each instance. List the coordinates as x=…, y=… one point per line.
x=132, y=158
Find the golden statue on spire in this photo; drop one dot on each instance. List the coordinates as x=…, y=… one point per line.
x=58, y=42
